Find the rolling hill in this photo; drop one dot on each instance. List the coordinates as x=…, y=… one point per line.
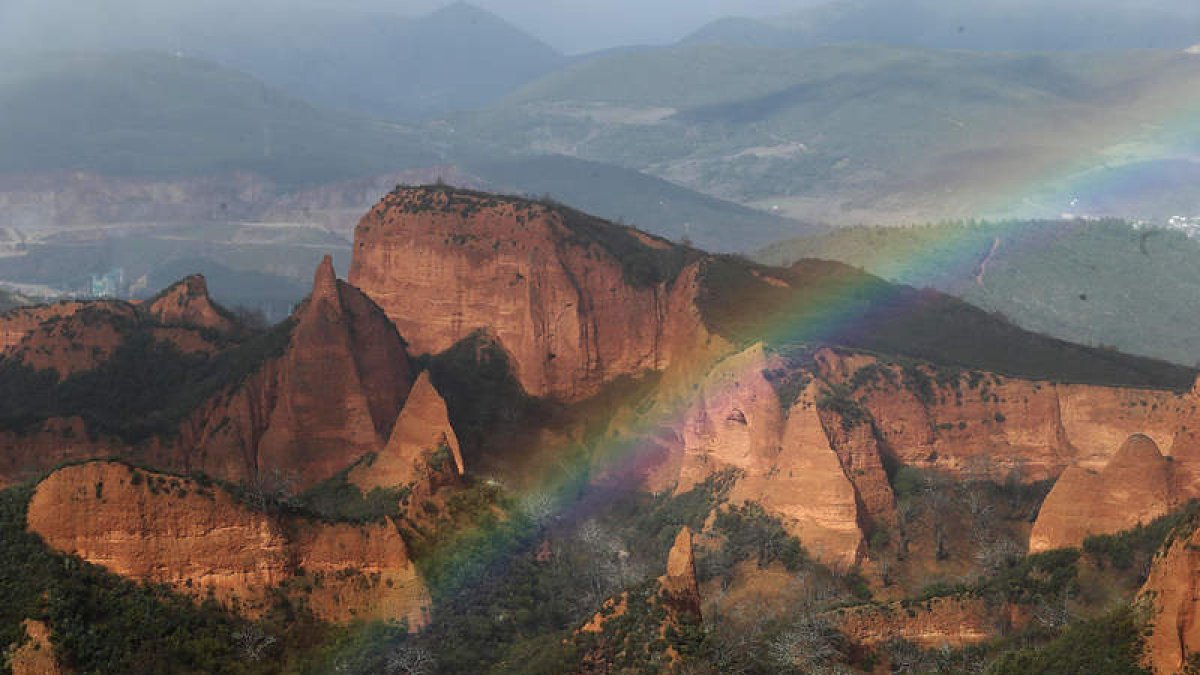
x=992, y=25
x=150, y=114
x=855, y=134
x=457, y=58
x=1098, y=283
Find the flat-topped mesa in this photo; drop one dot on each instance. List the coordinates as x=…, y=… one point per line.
x=187, y=303
x=576, y=301
x=340, y=384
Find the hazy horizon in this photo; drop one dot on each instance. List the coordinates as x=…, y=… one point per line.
x=572, y=27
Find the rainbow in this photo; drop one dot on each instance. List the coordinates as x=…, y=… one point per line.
x=558, y=493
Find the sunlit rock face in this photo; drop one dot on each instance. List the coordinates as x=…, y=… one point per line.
x=340, y=385
x=187, y=303
x=785, y=462
x=1134, y=487
x=201, y=540
x=576, y=301
x=422, y=428
x=36, y=655
x=331, y=396
x=1172, y=594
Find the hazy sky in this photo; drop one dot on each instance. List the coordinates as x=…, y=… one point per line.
x=569, y=25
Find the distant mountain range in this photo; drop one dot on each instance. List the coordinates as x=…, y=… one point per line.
x=866, y=134
x=993, y=25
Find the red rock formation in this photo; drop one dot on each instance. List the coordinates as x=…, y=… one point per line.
x=950, y=621
x=422, y=428
x=36, y=655
x=75, y=341
x=1172, y=594
x=786, y=465
x=1135, y=487
x=186, y=303
x=983, y=425
x=340, y=385
x=17, y=323
x=365, y=573
x=200, y=540
x=676, y=593
x=572, y=310
x=74, y=337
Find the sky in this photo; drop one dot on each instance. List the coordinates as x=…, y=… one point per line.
x=572, y=26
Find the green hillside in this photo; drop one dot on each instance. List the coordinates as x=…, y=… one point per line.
x=149, y=113
x=635, y=198
x=1097, y=283
x=855, y=134
x=996, y=25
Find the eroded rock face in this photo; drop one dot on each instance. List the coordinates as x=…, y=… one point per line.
x=186, y=303
x=576, y=301
x=17, y=323
x=160, y=528
x=337, y=390
x=36, y=656
x=982, y=425
x=1135, y=487
x=78, y=340
x=1172, y=593
x=679, y=586
x=423, y=427
x=953, y=621
x=200, y=540
x=786, y=465
x=676, y=594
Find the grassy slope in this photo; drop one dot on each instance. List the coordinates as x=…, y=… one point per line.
x=1092, y=283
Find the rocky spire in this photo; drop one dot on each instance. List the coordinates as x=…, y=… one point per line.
x=421, y=430
x=679, y=585
x=325, y=281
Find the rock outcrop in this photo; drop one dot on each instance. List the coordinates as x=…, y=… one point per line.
x=186, y=303
x=340, y=384
x=17, y=323
x=203, y=542
x=76, y=340
x=982, y=425
x=36, y=655
x=576, y=301
x=1135, y=487
x=330, y=398
x=1172, y=595
x=783, y=459
x=422, y=430
x=948, y=621
x=662, y=611
x=678, y=586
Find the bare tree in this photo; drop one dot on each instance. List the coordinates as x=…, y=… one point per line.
x=1052, y=612
x=812, y=645
x=410, y=660
x=253, y=642
x=539, y=507
x=998, y=554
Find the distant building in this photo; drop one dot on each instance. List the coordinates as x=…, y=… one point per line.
x=107, y=285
